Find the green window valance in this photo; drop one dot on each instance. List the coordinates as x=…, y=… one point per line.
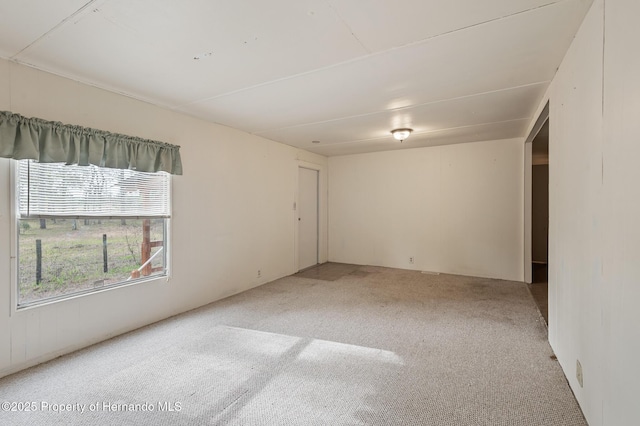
x=53, y=142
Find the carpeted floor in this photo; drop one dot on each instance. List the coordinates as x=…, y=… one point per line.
x=373, y=346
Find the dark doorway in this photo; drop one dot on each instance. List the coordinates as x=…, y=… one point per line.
x=540, y=219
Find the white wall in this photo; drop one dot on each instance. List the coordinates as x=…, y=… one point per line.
x=456, y=209
x=621, y=183
x=232, y=215
x=594, y=237
x=575, y=156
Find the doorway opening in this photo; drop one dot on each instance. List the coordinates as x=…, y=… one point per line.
x=540, y=219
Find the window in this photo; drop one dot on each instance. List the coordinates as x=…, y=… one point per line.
x=98, y=221
x=85, y=228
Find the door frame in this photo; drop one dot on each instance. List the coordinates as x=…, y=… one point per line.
x=322, y=212
x=315, y=190
x=543, y=116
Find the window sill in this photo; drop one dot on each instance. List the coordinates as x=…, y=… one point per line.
x=89, y=292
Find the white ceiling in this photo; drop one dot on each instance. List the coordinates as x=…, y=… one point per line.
x=342, y=72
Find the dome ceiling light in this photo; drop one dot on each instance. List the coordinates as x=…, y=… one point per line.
x=401, y=134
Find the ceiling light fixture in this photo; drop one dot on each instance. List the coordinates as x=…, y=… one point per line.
x=401, y=134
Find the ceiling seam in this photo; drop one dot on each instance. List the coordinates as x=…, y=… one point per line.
x=54, y=28
x=258, y=132
x=521, y=12
x=426, y=132
x=360, y=58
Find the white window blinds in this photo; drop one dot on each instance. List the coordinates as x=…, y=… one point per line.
x=58, y=190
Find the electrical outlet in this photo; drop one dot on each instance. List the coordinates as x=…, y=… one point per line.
x=411, y=260
x=579, y=373
x=259, y=273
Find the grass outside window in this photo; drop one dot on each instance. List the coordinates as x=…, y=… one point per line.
x=72, y=255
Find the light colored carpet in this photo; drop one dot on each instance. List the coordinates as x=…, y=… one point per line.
x=377, y=346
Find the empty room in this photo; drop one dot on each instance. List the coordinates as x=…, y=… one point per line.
x=322, y=212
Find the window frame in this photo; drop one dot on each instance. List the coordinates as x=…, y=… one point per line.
x=14, y=181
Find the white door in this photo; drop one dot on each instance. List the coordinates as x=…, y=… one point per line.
x=307, y=218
